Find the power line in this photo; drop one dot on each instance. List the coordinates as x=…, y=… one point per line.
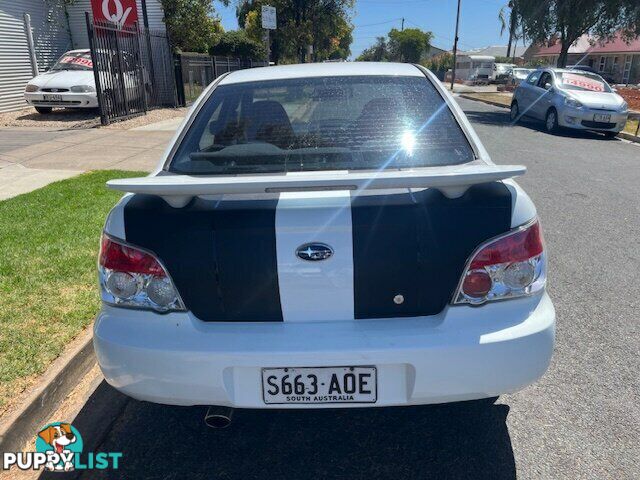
x=378, y=23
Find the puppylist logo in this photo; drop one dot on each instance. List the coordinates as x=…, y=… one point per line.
x=59, y=449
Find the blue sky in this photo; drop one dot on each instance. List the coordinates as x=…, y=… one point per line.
x=479, y=26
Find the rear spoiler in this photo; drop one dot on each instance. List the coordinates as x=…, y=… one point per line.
x=452, y=181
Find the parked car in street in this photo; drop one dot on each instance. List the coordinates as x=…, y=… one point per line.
x=570, y=99
x=323, y=235
x=518, y=75
x=501, y=72
x=69, y=83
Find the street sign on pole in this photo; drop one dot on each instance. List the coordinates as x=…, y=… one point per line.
x=268, y=17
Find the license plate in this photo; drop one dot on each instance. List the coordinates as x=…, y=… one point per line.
x=601, y=117
x=52, y=98
x=319, y=385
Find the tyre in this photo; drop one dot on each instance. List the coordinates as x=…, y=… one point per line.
x=551, y=121
x=43, y=110
x=514, y=113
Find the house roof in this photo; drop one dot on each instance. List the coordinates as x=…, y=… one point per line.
x=586, y=44
x=497, y=51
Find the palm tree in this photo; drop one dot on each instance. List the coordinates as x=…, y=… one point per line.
x=509, y=17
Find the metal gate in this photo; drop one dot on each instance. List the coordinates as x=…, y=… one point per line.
x=194, y=71
x=133, y=69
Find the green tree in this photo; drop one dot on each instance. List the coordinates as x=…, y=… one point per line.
x=441, y=62
x=191, y=24
x=509, y=17
x=323, y=24
x=378, y=52
x=565, y=21
x=409, y=44
x=237, y=43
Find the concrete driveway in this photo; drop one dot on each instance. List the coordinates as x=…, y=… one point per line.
x=32, y=158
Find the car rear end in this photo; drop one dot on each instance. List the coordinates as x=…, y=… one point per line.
x=317, y=295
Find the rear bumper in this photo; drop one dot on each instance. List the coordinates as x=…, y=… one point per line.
x=464, y=353
x=67, y=100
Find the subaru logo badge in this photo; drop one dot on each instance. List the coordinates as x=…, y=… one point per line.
x=314, y=252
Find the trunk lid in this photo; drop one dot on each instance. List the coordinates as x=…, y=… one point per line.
x=396, y=252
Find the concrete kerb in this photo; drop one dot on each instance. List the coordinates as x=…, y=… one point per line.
x=21, y=425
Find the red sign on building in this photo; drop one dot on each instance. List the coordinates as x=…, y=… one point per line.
x=120, y=12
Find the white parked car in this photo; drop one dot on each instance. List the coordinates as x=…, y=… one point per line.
x=323, y=235
x=69, y=83
x=570, y=99
x=518, y=75
x=502, y=72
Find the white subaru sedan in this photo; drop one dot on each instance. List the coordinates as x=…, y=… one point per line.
x=69, y=83
x=324, y=235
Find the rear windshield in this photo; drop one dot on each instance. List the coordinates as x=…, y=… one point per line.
x=74, y=61
x=310, y=124
x=582, y=81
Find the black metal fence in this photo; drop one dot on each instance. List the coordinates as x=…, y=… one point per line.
x=194, y=71
x=133, y=70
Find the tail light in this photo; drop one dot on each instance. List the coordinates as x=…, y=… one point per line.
x=512, y=265
x=131, y=277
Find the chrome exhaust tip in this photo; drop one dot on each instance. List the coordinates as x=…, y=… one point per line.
x=218, y=417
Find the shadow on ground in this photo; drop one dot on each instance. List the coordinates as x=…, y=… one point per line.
x=462, y=440
x=501, y=119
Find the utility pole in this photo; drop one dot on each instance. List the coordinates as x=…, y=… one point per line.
x=455, y=48
x=402, y=27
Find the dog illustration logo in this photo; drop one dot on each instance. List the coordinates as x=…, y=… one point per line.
x=62, y=439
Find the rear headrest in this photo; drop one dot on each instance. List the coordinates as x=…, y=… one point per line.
x=268, y=121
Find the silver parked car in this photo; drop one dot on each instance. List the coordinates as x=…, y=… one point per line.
x=571, y=99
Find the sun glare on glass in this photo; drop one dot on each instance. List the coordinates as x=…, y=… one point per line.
x=408, y=142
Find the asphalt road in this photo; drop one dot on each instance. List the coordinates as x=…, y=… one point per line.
x=582, y=420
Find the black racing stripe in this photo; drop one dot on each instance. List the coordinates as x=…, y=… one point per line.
x=416, y=245
x=221, y=255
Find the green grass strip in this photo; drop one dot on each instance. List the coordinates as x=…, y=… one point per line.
x=49, y=242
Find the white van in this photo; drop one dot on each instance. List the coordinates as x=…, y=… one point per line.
x=475, y=68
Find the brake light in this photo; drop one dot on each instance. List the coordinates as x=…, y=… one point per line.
x=131, y=277
x=509, y=266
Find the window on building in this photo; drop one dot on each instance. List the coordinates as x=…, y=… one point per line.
x=603, y=61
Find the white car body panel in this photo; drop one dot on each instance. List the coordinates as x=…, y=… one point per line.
x=310, y=70
x=323, y=217
x=523, y=209
x=462, y=353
